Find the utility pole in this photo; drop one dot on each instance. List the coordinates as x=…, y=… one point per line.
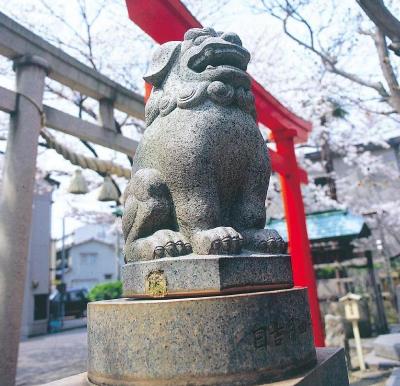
x=387, y=258
x=380, y=317
x=118, y=214
x=117, y=254
x=382, y=248
x=63, y=286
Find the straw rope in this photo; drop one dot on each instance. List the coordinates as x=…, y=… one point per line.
x=96, y=164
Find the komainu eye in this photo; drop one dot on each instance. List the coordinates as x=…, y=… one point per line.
x=200, y=39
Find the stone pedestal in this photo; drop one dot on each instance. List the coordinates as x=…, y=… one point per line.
x=388, y=346
x=330, y=370
x=195, y=275
x=241, y=339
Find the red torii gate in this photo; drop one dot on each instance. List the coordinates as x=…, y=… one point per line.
x=166, y=20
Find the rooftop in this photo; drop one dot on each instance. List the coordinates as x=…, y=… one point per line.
x=328, y=225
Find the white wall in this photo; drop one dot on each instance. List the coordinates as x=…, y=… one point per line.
x=90, y=262
x=38, y=275
x=93, y=231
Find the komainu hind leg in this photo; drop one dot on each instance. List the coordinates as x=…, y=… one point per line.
x=249, y=215
x=148, y=220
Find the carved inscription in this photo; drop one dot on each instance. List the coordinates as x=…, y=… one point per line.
x=277, y=332
x=260, y=337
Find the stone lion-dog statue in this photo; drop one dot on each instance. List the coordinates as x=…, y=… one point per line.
x=201, y=171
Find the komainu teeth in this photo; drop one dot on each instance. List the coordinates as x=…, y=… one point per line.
x=220, y=57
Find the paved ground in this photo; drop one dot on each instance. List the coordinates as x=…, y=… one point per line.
x=49, y=357
x=378, y=380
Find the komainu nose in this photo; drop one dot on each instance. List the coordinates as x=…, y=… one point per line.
x=231, y=37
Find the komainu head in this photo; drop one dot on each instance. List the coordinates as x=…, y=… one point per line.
x=205, y=65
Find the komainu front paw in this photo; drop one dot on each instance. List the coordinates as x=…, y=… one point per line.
x=264, y=240
x=163, y=243
x=217, y=241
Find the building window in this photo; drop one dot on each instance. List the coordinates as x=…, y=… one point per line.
x=108, y=276
x=40, y=307
x=88, y=258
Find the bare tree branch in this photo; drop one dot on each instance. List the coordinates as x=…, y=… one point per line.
x=384, y=20
x=377, y=86
x=88, y=25
x=285, y=11
x=79, y=100
x=63, y=21
x=86, y=143
x=75, y=99
x=387, y=69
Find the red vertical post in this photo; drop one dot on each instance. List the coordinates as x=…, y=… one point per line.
x=303, y=270
x=147, y=91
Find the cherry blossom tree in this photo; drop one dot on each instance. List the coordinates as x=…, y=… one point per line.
x=348, y=85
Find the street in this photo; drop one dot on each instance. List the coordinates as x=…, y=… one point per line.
x=49, y=357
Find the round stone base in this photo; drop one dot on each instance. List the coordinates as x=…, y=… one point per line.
x=241, y=339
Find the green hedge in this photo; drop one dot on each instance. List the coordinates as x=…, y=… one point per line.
x=325, y=273
x=106, y=291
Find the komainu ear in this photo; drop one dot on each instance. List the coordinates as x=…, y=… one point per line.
x=161, y=63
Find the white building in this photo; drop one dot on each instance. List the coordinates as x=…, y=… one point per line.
x=37, y=284
x=91, y=257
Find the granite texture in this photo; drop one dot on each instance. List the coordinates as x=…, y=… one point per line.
x=394, y=379
x=206, y=275
x=388, y=346
x=330, y=370
x=230, y=340
x=201, y=172
x=376, y=362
